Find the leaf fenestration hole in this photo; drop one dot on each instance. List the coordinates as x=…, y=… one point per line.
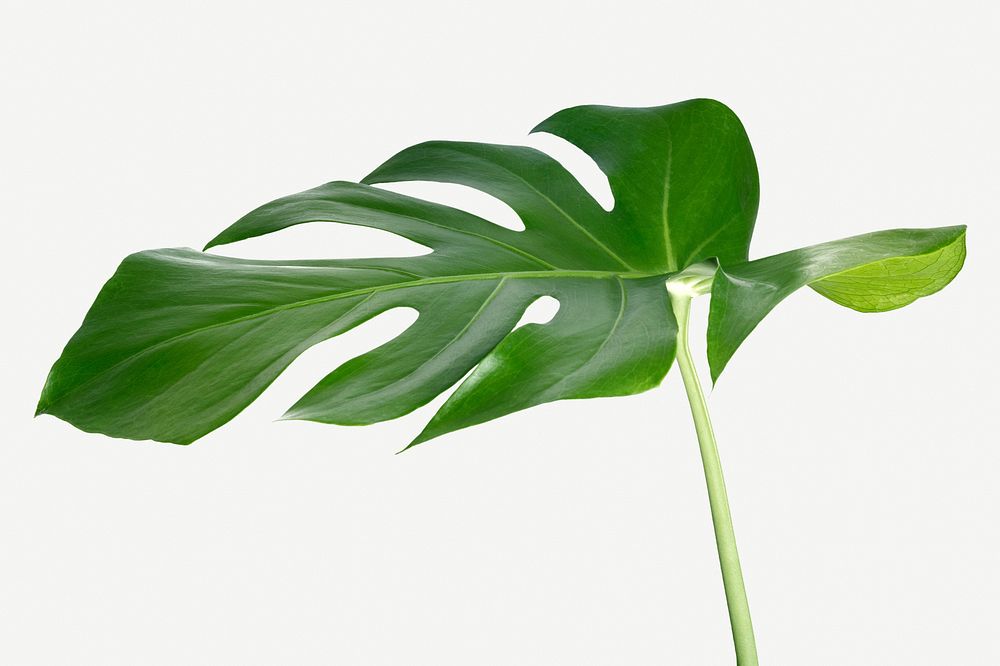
x=463, y=197
x=323, y=240
x=324, y=357
x=541, y=311
x=579, y=164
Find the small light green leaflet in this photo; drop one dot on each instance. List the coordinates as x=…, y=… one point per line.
x=874, y=272
x=180, y=341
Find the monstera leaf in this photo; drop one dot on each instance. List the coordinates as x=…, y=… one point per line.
x=179, y=341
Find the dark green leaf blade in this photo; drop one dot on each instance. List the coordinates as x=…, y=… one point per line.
x=178, y=342
x=611, y=337
x=561, y=219
x=459, y=323
x=873, y=272
x=683, y=176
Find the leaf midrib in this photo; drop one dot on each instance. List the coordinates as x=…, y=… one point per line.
x=668, y=246
x=446, y=279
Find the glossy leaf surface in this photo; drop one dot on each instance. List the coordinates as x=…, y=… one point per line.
x=179, y=341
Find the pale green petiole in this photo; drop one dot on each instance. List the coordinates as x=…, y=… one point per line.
x=682, y=288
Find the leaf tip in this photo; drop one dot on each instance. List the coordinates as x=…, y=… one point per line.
x=419, y=439
x=716, y=365
x=44, y=402
x=218, y=240
x=425, y=435
x=715, y=378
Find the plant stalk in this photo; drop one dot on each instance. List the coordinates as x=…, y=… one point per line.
x=725, y=539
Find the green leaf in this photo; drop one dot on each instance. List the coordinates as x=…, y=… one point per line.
x=873, y=272
x=683, y=176
x=179, y=341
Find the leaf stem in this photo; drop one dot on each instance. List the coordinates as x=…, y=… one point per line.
x=725, y=538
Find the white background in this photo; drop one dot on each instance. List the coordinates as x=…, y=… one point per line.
x=861, y=450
